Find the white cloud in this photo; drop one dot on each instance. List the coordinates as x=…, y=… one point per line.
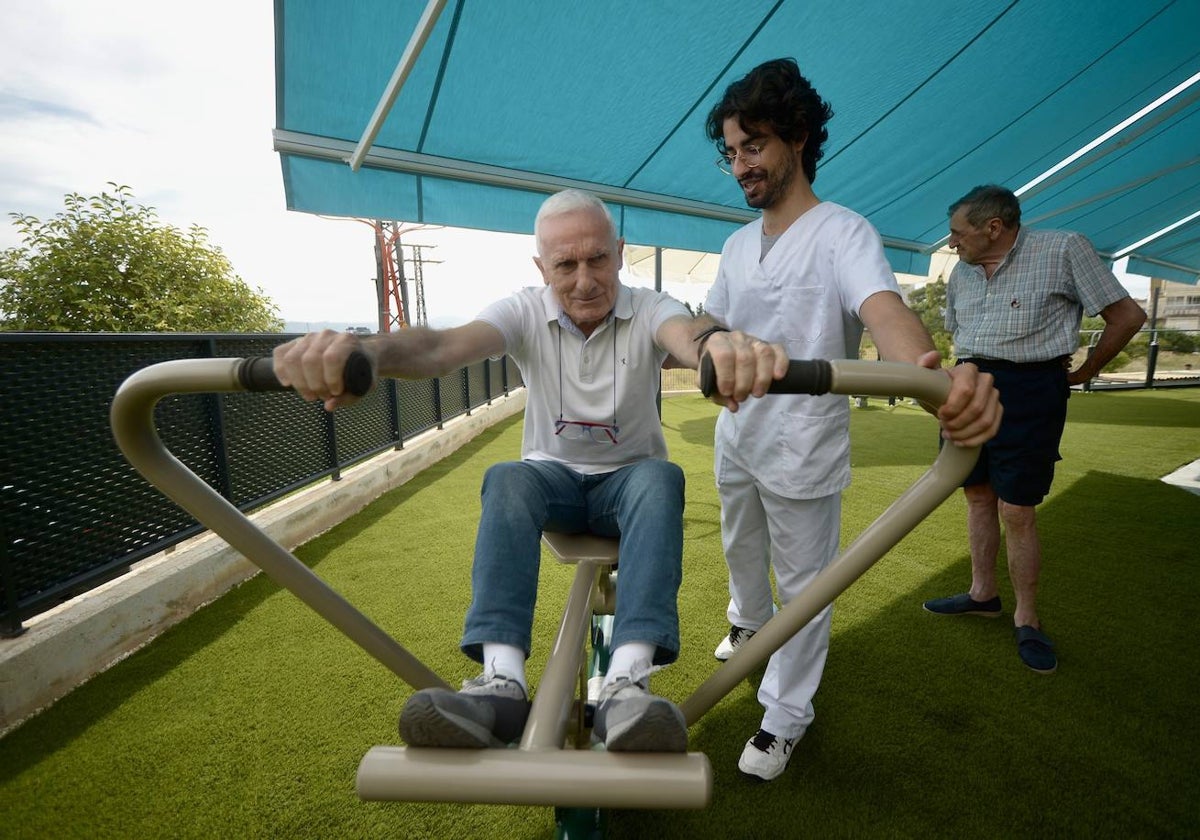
x=177, y=102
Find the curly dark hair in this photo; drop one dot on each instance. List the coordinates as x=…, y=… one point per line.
x=775, y=94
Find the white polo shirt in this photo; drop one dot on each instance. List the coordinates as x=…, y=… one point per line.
x=612, y=377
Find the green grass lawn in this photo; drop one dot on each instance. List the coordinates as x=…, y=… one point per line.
x=249, y=718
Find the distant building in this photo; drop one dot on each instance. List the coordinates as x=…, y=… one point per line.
x=940, y=264
x=1178, y=305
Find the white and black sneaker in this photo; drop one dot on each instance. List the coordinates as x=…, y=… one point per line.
x=729, y=645
x=765, y=756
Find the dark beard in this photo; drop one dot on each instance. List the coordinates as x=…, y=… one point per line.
x=775, y=188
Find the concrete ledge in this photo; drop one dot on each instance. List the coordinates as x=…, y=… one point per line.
x=1187, y=477
x=66, y=646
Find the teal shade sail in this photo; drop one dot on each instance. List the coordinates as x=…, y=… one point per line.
x=506, y=102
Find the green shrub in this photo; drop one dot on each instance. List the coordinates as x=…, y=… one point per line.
x=1177, y=342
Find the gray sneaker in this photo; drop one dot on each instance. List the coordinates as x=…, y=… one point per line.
x=490, y=711
x=631, y=719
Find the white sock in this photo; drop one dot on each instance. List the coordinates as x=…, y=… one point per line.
x=626, y=657
x=506, y=660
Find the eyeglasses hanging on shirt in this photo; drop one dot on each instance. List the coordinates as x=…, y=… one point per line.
x=583, y=430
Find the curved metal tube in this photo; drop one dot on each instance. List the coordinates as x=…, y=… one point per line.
x=540, y=772
x=953, y=463
x=132, y=419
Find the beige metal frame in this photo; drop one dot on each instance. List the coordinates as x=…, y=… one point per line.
x=542, y=770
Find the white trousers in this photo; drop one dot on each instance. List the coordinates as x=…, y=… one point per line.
x=797, y=538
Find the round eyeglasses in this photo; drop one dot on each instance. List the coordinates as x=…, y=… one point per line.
x=750, y=156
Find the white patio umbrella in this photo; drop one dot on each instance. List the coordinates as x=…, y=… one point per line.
x=678, y=266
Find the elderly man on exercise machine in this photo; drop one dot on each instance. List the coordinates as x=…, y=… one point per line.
x=593, y=460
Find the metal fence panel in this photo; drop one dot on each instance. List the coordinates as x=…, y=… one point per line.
x=74, y=513
x=453, y=391
x=418, y=403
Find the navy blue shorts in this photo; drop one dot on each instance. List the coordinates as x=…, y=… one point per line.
x=1019, y=461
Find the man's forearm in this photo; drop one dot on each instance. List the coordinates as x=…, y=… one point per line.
x=422, y=353
x=1122, y=320
x=897, y=331
x=702, y=328
x=405, y=354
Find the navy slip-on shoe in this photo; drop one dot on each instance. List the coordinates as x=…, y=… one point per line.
x=1036, y=650
x=964, y=604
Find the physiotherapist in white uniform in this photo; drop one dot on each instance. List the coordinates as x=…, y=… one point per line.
x=806, y=276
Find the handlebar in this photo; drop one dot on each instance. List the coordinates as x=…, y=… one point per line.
x=952, y=465
x=132, y=420
x=848, y=376
x=802, y=377
x=258, y=374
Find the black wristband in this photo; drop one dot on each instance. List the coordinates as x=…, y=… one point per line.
x=705, y=335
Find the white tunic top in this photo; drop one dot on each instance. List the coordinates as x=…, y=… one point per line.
x=611, y=378
x=806, y=295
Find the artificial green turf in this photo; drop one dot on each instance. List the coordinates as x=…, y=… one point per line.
x=249, y=718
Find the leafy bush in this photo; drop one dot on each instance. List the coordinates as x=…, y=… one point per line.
x=1178, y=342
x=107, y=264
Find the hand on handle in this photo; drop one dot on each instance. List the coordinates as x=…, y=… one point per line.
x=963, y=399
x=321, y=366
x=258, y=374
x=802, y=377
x=735, y=366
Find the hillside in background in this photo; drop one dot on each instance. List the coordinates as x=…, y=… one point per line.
x=436, y=322
x=316, y=326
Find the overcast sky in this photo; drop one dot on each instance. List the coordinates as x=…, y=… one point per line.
x=177, y=102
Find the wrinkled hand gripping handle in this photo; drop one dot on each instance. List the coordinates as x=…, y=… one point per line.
x=258, y=374
x=803, y=377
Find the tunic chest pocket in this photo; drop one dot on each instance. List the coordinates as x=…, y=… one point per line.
x=802, y=312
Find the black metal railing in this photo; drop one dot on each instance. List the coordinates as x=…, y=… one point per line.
x=74, y=514
x=1154, y=358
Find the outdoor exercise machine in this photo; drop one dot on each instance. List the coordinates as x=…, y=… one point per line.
x=554, y=763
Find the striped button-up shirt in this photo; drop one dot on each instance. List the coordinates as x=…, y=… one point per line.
x=1031, y=307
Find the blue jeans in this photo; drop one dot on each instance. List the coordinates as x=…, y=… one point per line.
x=641, y=503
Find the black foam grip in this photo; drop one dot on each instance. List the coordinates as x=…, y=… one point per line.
x=807, y=376
x=258, y=374
x=708, y=377
x=812, y=376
